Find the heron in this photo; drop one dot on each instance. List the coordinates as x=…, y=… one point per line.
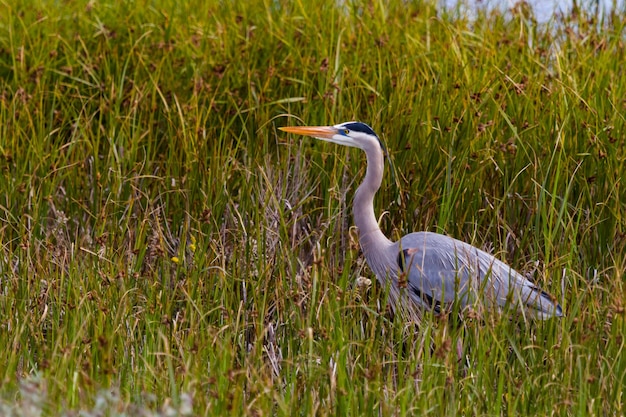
x=428, y=271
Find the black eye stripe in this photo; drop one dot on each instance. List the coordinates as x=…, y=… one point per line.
x=360, y=127
x=363, y=128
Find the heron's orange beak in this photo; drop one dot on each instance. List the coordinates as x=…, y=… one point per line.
x=321, y=132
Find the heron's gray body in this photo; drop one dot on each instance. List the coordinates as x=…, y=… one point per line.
x=437, y=271
x=428, y=270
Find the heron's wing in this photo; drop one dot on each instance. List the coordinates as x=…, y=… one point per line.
x=440, y=270
x=438, y=275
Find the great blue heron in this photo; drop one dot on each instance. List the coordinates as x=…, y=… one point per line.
x=428, y=271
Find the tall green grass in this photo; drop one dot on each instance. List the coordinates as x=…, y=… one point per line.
x=166, y=249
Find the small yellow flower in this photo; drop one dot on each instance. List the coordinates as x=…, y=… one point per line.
x=175, y=259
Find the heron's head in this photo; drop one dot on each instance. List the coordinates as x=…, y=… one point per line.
x=356, y=134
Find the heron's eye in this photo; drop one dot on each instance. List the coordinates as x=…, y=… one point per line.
x=346, y=131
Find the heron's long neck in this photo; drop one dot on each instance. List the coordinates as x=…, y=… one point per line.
x=373, y=242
